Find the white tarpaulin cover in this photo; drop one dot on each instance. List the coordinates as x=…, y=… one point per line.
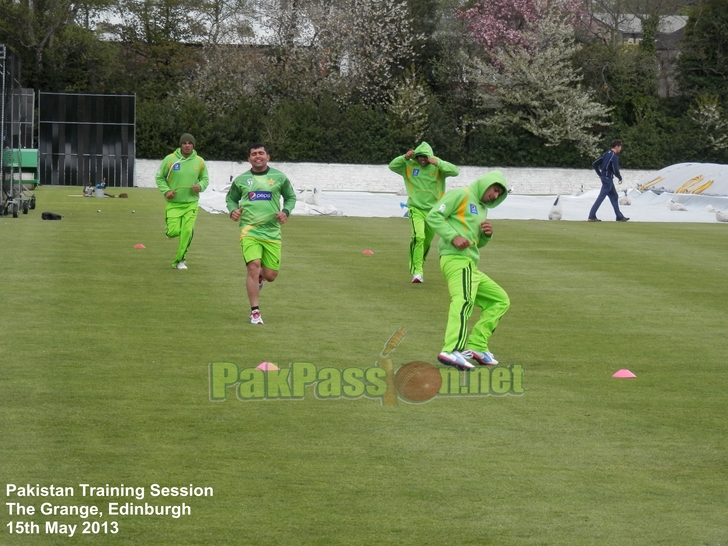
x=645, y=206
x=689, y=178
x=331, y=194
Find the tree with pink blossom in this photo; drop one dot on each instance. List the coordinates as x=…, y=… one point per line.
x=525, y=73
x=494, y=23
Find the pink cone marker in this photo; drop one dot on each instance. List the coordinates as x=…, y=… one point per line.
x=267, y=367
x=139, y=246
x=624, y=373
x=367, y=252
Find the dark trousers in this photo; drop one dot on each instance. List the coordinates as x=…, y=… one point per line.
x=608, y=190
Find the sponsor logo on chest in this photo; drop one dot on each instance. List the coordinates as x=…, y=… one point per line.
x=473, y=209
x=259, y=196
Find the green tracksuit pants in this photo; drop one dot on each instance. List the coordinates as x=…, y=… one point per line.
x=420, y=240
x=469, y=287
x=180, y=218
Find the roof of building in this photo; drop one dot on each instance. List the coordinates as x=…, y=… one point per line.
x=630, y=23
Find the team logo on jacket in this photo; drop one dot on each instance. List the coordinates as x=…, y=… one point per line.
x=176, y=167
x=249, y=181
x=415, y=172
x=259, y=196
x=473, y=209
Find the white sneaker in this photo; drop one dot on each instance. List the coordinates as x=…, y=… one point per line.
x=416, y=279
x=181, y=265
x=456, y=360
x=255, y=317
x=484, y=359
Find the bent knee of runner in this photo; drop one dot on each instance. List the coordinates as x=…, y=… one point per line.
x=268, y=275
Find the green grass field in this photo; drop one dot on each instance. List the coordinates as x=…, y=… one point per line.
x=104, y=380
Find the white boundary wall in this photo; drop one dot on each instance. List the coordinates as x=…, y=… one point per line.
x=378, y=178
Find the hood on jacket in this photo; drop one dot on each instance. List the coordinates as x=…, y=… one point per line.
x=178, y=153
x=424, y=149
x=484, y=182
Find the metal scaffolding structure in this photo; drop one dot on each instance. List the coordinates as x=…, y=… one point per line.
x=19, y=158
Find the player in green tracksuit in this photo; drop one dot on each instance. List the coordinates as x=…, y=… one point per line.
x=181, y=177
x=459, y=218
x=424, y=178
x=254, y=200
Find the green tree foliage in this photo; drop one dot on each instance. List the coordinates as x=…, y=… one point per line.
x=57, y=53
x=623, y=76
x=328, y=131
x=708, y=114
x=536, y=87
x=703, y=63
x=154, y=35
x=426, y=16
x=357, y=81
x=650, y=24
x=409, y=104
x=157, y=128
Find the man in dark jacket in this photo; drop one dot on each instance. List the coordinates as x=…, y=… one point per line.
x=607, y=167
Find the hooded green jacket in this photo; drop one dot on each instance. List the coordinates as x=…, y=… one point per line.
x=179, y=174
x=461, y=211
x=425, y=185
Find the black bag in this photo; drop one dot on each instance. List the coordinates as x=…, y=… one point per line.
x=51, y=216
